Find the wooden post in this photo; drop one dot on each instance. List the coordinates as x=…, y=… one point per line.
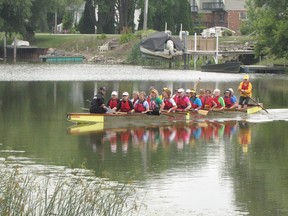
x=15, y=50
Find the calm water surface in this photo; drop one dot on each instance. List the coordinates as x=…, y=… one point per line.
x=235, y=167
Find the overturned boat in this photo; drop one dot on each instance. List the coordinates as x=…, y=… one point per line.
x=161, y=45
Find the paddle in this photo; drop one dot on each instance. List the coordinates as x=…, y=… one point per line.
x=258, y=104
x=203, y=112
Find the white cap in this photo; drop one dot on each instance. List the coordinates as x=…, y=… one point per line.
x=125, y=94
x=114, y=93
x=216, y=91
x=188, y=90
x=180, y=90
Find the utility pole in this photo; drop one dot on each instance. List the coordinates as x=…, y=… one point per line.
x=55, y=22
x=145, y=15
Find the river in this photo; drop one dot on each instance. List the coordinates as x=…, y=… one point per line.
x=232, y=167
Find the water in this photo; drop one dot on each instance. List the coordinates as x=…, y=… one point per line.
x=235, y=167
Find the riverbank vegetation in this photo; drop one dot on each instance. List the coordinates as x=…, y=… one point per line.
x=27, y=192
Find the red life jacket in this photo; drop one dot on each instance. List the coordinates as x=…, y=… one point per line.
x=167, y=103
x=181, y=102
x=139, y=107
x=228, y=102
x=125, y=107
x=206, y=102
x=215, y=99
x=245, y=86
x=113, y=103
x=194, y=106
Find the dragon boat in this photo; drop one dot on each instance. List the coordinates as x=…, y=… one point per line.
x=138, y=119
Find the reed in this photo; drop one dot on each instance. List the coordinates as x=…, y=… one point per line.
x=24, y=193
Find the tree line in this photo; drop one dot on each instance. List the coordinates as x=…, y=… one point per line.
x=114, y=16
x=268, y=22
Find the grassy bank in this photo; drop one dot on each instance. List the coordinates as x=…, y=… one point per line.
x=127, y=47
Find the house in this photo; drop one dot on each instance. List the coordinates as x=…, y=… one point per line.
x=226, y=13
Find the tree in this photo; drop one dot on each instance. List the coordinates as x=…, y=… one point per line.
x=172, y=12
x=126, y=9
x=14, y=15
x=88, y=21
x=106, y=16
x=270, y=21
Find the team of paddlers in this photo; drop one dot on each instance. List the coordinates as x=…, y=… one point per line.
x=181, y=100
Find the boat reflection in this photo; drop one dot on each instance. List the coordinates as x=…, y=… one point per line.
x=165, y=137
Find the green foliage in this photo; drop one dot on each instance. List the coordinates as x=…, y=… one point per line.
x=125, y=38
x=101, y=37
x=67, y=21
x=88, y=21
x=135, y=56
x=270, y=21
x=172, y=12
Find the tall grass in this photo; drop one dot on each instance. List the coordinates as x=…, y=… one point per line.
x=30, y=194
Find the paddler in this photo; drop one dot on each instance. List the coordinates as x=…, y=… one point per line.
x=125, y=105
x=98, y=102
x=170, y=104
x=245, y=89
x=141, y=105
x=229, y=99
x=196, y=103
x=219, y=101
x=183, y=102
x=156, y=105
x=113, y=101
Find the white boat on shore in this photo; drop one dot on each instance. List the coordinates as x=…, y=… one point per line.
x=161, y=45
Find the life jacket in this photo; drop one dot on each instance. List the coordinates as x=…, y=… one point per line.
x=153, y=105
x=181, y=102
x=134, y=101
x=125, y=106
x=245, y=86
x=206, y=102
x=148, y=99
x=228, y=102
x=113, y=103
x=193, y=105
x=139, y=107
x=168, y=104
x=216, y=100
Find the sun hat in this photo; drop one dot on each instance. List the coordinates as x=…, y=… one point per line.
x=246, y=77
x=114, y=93
x=168, y=91
x=192, y=91
x=188, y=90
x=125, y=94
x=180, y=90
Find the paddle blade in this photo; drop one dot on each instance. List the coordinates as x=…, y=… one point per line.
x=203, y=112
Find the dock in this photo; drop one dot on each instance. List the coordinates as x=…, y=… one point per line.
x=263, y=69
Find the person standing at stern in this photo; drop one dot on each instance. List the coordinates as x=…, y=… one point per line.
x=245, y=89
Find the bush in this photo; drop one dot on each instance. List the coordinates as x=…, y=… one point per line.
x=101, y=37
x=125, y=38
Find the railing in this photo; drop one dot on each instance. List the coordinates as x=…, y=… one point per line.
x=213, y=5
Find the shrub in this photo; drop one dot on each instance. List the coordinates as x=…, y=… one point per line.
x=125, y=38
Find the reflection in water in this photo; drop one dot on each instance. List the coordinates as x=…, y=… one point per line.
x=244, y=135
x=178, y=135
